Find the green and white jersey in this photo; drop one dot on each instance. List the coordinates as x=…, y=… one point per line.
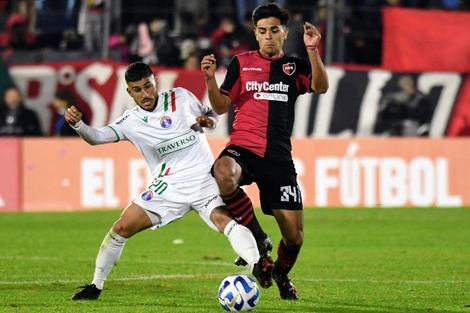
x=167, y=137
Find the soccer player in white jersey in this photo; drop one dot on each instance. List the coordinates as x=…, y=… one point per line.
x=167, y=128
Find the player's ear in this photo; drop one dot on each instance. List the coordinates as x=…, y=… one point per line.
x=128, y=91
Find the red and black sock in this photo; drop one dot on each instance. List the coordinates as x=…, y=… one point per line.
x=286, y=258
x=242, y=209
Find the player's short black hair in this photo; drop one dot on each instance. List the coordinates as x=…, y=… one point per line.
x=136, y=71
x=270, y=10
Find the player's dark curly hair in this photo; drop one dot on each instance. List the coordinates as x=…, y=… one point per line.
x=270, y=10
x=136, y=71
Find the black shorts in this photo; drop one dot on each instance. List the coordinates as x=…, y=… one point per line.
x=276, y=179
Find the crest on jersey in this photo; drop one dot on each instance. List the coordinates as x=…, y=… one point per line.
x=165, y=121
x=288, y=68
x=147, y=195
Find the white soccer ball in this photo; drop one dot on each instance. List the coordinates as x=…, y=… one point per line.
x=238, y=293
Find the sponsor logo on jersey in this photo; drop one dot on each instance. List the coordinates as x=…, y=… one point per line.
x=235, y=153
x=265, y=91
x=147, y=195
x=266, y=86
x=210, y=201
x=145, y=119
x=251, y=69
x=165, y=121
x=271, y=96
x=288, y=68
x=176, y=144
x=122, y=119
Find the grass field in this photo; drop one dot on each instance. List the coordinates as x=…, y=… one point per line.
x=352, y=261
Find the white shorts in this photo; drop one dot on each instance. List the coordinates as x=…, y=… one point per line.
x=166, y=202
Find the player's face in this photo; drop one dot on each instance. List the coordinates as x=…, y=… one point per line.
x=270, y=35
x=144, y=92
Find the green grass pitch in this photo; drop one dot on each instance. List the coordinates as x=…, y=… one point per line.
x=352, y=261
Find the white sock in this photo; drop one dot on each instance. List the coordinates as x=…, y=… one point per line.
x=243, y=242
x=109, y=253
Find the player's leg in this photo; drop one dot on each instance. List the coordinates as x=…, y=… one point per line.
x=280, y=196
x=235, y=167
x=206, y=200
x=133, y=220
x=291, y=226
x=241, y=239
x=228, y=174
x=213, y=211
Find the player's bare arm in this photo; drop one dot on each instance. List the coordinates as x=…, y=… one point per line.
x=312, y=39
x=220, y=103
x=73, y=115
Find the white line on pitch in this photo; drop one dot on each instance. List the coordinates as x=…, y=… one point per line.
x=184, y=276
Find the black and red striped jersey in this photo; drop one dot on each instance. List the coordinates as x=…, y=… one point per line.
x=264, y=91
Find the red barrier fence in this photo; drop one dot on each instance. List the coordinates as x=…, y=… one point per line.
x=49, y=174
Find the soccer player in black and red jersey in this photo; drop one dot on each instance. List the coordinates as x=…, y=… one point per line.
x=263, y=86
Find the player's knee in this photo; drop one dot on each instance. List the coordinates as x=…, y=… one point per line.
x=294, y=241
x=221, y=217
x=123, y=229
x=226, y=176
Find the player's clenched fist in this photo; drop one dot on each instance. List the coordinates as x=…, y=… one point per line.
x=73, y=115
x=208, y=66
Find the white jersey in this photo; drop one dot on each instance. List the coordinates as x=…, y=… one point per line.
x=167, y=137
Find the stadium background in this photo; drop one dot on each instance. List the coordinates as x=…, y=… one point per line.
x=341, y=161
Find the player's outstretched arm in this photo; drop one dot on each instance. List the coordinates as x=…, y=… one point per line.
x=91, y=135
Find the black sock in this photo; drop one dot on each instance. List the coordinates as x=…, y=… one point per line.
x=286, y=258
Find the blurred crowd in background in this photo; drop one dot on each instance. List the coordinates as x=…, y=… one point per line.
x=178, y=33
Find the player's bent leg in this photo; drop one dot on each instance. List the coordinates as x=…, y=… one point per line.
x=291, y=226
x=221, y=216
x=242, y=208
x=244, y=244
x=227, y=173
x=240, y=237
x=264, y=248
x=132, y=220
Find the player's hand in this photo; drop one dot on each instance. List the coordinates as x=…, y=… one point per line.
x=208, y=66
x=73, y=115
x=311, y=35
x=204, y=121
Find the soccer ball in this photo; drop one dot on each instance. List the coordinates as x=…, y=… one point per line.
x=238, y=293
